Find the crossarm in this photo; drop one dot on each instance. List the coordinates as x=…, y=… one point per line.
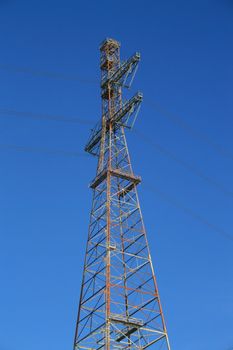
x=125, y=73
x=125, y=116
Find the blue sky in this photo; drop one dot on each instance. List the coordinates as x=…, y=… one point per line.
x=184, y=153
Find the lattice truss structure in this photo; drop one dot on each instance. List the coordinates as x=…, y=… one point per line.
x=119, y=304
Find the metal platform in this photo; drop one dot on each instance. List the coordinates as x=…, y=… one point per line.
x=114, y=172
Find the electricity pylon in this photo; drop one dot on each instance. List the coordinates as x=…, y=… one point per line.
x=119, y=304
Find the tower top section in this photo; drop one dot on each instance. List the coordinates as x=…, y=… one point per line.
x=115, y=75
x=109, y=44
x=110, y=56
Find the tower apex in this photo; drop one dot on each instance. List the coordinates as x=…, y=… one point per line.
x=109, y=42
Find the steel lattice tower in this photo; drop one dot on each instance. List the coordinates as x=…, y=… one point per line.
x=119, y=304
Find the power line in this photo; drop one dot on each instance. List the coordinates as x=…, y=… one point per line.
x=189, y=211
x=42, y=150
x=154, y=105
x=45, y=74
x=151, y=188
x=158, y=147
x=36, y=116
x=189, y=129
x=184, y=164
